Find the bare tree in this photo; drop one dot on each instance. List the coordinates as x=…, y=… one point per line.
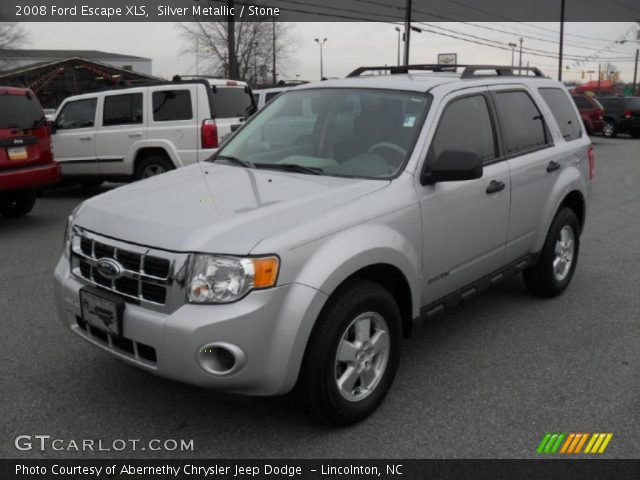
x=12, y=35
x=254, y=47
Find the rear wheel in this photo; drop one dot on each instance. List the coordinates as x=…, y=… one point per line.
x=153, y=165
x=353, y=354
x=18, y=203
x=609, y=129
x=554, y=270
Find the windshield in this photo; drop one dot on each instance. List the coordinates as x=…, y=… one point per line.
x=333, y=131
x=20, y=111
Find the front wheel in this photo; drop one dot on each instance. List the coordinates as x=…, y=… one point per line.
x=554, y=270
x=18, y=203
x=353, y=354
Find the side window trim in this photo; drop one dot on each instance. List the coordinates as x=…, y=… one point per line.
x=497, y=144
x=547, y=133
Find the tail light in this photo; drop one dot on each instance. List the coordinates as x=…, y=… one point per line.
x=627, y=113
x=209, y=134
x=592, y=162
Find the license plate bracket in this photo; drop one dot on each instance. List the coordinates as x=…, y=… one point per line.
x=102, y=310
x=17, y=153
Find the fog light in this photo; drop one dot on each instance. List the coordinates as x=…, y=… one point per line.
x=220, y=359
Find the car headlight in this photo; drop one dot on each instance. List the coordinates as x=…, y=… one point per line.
x=222, y=279
x=68, y=231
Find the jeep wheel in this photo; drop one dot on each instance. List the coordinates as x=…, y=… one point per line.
x=558, y=259
x=353, y=354
x=18, y=203
x=609, y=129
x=152, y=166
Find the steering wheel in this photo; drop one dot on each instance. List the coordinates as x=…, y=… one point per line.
x=389, y=147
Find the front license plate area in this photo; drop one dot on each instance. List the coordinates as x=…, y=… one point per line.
x=17, y=153
x=102, y=310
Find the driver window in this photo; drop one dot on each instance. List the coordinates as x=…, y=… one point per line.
x=77, y=114
x=465, y=125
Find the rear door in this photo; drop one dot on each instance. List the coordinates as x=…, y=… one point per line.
x=527, y=144
x=74, y=138
x=24, y=135
x=122, y=125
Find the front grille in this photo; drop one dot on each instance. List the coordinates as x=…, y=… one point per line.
x=148, y=274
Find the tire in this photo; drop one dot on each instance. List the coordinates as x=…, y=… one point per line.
x=18, y=203
x=635, y=133
x=554, y=271
x=609, y=129
x=91, y=183
x=151, y=166
x=362, y=303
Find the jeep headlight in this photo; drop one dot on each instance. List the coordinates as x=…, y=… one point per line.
x=222, y=279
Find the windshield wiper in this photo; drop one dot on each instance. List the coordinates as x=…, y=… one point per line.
x=235, y=161
x=291, y=167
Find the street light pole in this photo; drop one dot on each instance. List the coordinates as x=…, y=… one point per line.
x=407, y=32
x=561, y=41
x=398, y=29
x=513, y=49
x=321, y=43
x=635, y=73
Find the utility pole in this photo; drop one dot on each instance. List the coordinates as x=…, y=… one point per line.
x=635, y=73
x=407, y=32
x=273, y=47
x=321, y=43
x=398, y=29
x=234, y=74
x=561, y=41
x=599, y=76
x=520, y=60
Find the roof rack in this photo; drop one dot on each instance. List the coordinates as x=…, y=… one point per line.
x=468, y=72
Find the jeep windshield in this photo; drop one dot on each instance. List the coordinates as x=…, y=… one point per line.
x=361, y=133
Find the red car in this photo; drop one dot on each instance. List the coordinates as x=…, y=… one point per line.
x=591, y=111
x=26, y=158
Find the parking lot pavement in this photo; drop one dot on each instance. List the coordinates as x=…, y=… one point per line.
x=488, y=379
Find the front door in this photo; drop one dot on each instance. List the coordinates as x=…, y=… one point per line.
x=74, y=143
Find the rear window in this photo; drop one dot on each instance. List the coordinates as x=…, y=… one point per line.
x=122, y=109
x=20, y=111
x=231, y=102
x=582, y=102
x=564, y=113
x=524, y=128
x=172, y=105
x=633, y=103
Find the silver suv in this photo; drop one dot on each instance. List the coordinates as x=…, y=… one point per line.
x=336, y=219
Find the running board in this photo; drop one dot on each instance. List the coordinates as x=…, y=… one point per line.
x=468, y=292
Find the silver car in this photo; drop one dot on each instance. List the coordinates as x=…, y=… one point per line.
x=327, y=227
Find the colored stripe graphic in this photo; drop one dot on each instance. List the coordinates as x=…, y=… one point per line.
x=572, y=443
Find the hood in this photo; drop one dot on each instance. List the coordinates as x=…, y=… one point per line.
x=216, y=208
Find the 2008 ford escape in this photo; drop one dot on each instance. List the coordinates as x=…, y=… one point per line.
x=327, y=226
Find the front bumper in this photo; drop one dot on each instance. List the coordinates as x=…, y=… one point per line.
x=270, y=326
x=30, y=177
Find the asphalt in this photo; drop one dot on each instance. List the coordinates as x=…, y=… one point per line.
x=486, y=380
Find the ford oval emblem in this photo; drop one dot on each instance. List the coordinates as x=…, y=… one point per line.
x=109, y=268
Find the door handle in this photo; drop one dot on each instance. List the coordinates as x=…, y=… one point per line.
x=553, y=166
x=135, y=135
x=85, y=139
x=495, y=186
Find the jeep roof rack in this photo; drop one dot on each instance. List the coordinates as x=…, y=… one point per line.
x=470, y=71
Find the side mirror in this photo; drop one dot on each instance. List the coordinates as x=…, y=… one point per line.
x=453, y=166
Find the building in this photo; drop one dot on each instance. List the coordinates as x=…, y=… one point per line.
x=10, y=59
x=57, y=74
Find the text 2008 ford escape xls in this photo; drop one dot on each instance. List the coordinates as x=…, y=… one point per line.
x=335, y=219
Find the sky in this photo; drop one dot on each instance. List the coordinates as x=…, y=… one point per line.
x=350, y=45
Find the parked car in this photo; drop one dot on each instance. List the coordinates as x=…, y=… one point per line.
x=141, y=131
x=265, y=95
x=26, y=162
x=304, y=261
x=621, y=115
x=591, y=112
